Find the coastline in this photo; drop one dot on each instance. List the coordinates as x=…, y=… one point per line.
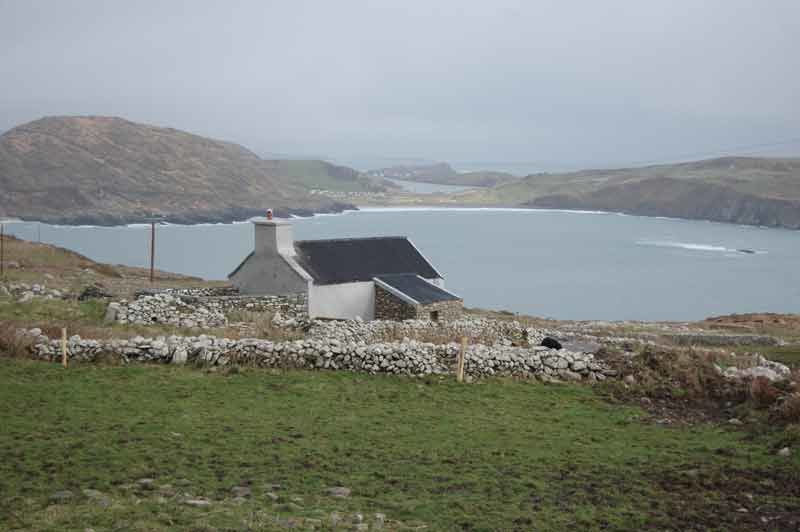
x=237, y=216
x=223, y=216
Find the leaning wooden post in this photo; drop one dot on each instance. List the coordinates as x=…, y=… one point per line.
x=2, y=249
x=64, y=347
x=461, y=354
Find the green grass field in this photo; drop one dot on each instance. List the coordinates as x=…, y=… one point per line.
x=316, y=174
x=499, y=455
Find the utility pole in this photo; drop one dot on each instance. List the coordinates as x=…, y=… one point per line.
x=153, y=221
x=152, y=250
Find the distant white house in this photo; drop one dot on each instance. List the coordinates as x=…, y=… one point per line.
x=383, y=277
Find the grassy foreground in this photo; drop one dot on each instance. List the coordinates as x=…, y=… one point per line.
x=500, y=455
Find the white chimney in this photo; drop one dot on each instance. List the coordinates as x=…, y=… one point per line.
x=273, y=237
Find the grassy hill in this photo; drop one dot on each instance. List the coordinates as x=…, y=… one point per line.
x=116, y=446
x=322, y=175
x=746, y=190
x=108, y=170
x=444, y=174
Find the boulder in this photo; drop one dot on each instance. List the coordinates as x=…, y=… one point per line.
x=197, y=503
x=111, y=313
x=338, y=491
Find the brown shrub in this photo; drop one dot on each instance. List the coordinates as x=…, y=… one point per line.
x=790, y=436
x=679, y=374
x=789, y=409
x=763, y=393
x=106, y=270
x=13, y=344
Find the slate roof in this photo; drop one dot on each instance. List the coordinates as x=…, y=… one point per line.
x=415, y=288
x=361, y=259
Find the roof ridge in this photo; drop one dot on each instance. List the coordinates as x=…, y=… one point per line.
x=395, y=237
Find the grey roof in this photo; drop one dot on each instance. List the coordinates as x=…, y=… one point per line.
x=414, y=288
x=361, y=259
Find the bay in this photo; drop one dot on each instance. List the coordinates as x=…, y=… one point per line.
x=565, y=265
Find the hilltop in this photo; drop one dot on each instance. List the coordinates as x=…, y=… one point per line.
x=744, y=190
x=107, y=170
x=443, y=174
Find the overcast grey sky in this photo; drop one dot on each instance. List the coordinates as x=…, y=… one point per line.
x=553, y=84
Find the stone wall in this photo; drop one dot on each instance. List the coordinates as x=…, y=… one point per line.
x=407, y=357
x=402, y=358
x=448, y=310
x=197, y=308
x=390, y=307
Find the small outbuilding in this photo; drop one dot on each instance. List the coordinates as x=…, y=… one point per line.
x=377, y=277
x=406, y=296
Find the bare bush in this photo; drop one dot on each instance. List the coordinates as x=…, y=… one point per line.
x=680, y=374
x=14, y=344
x=763, y=393
x=789, y=409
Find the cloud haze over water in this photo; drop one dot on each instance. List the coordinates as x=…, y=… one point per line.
x=528, y=85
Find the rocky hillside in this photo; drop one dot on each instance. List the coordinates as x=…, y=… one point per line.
x=444, y=174
x=105, y=170
x=745, y=190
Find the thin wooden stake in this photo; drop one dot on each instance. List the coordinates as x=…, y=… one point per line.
x=64, y=347
x=461, y=354
x=2, y=249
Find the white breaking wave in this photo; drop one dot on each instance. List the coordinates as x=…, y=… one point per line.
x=697, y=247
x=474, y=209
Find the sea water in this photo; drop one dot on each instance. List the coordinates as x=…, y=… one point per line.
x=549, y=263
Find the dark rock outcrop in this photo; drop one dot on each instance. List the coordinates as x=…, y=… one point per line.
x=681, y=198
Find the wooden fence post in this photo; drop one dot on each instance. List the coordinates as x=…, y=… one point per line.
x=2, y=249
x=64, y=347
x=461, y=354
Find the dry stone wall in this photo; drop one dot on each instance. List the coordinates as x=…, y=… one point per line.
x=447, y=310
x=390, y=307
x=410, y=357
x=198, y=308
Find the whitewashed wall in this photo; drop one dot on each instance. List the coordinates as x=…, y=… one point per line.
x=343, y=301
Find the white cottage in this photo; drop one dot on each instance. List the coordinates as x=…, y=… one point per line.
x=342, y=276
